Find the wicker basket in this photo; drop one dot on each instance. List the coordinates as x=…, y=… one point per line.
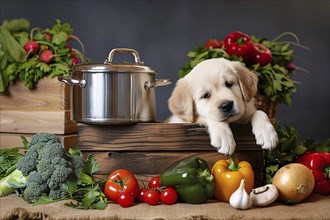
x=269, y=107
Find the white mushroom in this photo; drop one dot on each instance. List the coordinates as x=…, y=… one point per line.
x=264, y=195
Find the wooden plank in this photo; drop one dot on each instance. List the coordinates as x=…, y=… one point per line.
x=10, y=140
x=49, y=95
x=155, y=137
x=154, y=163
x=57, y=122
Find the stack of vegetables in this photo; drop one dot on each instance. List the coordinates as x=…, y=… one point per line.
x=271, y=60
x=29, y=55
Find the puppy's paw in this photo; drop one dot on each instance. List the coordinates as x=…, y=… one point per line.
x=224, y=142
x=265, y=133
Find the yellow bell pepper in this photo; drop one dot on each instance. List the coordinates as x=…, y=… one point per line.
x=228, y=175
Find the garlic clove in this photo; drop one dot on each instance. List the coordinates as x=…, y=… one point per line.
x=240, y=199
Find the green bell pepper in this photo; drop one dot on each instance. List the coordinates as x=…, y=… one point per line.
x=192, y=179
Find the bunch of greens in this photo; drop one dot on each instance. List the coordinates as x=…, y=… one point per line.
x=289, y=149
x=274, y=78
x=29, y=55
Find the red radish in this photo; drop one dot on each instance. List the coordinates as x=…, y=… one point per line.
x=47, y=56
x=48, y=37
x=31, y=47
x=74, y=60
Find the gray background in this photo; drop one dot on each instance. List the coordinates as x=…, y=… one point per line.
x=164, y=31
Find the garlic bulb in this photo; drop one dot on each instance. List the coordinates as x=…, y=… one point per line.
x=240, y=199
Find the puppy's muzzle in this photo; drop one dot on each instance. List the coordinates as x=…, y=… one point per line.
x=227, y=107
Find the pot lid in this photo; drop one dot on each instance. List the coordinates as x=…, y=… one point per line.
x=109, y=66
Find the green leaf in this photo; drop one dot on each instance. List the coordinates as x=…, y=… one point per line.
x=10, y=46
x=85, y=179
x=299, y=150
x=43, y=67
x=60, y=38
x=91, y=165
x=69, y=187
x=16, y=25
x=44, y=199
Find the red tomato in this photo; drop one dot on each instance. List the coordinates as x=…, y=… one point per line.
x=140, y=196
x=125, y=199
x=118, y=181
x=213, y=43
x=152, y=197
x=169, y=196
x=154, y=182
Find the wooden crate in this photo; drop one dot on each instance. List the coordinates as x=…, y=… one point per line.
x=148, y=148
x=43, y=109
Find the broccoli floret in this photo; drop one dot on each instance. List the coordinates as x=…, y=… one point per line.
x=34, y=178
x=28, y=163
x=45, y=168
x=58, y=177
x=32, y=193
x=43, y=139
x=78, y=165
x=57, y=194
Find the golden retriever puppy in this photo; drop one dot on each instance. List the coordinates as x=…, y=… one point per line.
x=218, y=92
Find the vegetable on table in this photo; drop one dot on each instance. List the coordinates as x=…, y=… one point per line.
x=295, y=182
x=118, y=181
x=240, y=199
x=191, y=178
x=319, y=164
x=47, y=173
x=228, y=175
x=264, y=195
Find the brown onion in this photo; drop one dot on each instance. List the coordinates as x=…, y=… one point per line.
x=295, y=182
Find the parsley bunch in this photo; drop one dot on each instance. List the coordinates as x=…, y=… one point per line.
x=24, y=61
x=274, y=78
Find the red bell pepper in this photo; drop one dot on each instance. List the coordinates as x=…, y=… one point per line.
x=260, y=54
x=239, y=44
x=319, y=164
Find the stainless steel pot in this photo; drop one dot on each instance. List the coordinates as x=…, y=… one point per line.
x=114, y=93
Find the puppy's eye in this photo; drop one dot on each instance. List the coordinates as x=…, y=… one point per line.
x=206, y=95
x=229, y=84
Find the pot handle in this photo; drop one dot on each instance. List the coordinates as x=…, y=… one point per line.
x=124, y=50
x=72, y=82
x=159, y=82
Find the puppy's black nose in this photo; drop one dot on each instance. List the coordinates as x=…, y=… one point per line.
x=226, y=106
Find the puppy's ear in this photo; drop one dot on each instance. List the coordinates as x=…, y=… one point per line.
x=181, y=102
x=248, y=81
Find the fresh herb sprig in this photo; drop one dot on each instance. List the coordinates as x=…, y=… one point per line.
x=18, y=64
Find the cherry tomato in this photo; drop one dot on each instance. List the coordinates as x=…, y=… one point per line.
x=118, y=181
x=125, y=199
x=213, y=43
x=154, y=182
x=140, y=196
x=169, y=196
x=152, y=197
